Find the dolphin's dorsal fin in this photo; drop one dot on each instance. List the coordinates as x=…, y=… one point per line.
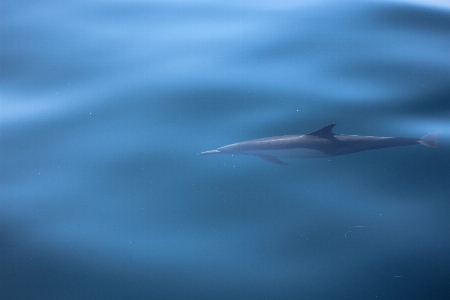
x=324, y=132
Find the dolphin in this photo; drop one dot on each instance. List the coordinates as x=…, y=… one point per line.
x=319, y=143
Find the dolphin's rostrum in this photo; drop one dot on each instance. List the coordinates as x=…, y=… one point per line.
x=319, y=143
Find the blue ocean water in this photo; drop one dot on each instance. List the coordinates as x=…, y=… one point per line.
x=106, y=104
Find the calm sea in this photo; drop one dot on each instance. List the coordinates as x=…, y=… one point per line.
x=106, y=104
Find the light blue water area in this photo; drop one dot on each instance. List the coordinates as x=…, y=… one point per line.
x=106, y=104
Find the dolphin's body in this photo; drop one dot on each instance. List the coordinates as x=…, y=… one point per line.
x=320, y=143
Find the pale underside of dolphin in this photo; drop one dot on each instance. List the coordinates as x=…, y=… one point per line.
x=319, y=143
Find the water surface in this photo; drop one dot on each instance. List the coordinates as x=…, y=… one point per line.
x=105, y=105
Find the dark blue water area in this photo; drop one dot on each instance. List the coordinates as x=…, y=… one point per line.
x=106, y=104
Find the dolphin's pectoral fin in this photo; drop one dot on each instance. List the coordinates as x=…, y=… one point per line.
x=273, y=159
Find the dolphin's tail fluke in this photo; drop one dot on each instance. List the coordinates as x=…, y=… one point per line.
x=210, y=152
x=430, y=140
